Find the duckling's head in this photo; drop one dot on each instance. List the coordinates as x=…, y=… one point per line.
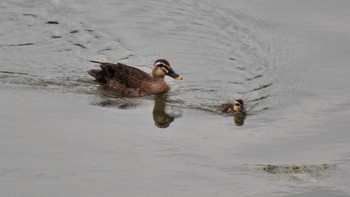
x=238, y=106
x=162, y=68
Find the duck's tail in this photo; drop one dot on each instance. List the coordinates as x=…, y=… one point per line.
x=93, y=61
x=97, y=74
x=94, y=73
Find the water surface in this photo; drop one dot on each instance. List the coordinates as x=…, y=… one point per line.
x=62, y=135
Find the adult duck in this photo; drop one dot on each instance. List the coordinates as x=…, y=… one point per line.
x=131, y=81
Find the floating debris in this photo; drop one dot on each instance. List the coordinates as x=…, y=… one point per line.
x=297, y=173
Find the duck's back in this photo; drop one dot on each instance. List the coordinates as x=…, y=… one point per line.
x=227, y=107
x=128, y=76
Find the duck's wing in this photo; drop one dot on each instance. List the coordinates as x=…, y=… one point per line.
x=226, y=107
x=129, y=76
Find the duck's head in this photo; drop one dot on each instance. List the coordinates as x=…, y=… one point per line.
x=238, y=106
x=162, y=68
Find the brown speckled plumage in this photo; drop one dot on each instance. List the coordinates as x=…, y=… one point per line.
x=132, y=81
x=236, y=107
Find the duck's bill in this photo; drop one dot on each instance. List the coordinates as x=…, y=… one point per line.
x=175, y=76
x=179, y=78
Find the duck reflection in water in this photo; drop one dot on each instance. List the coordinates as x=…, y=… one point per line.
x=239, y=119
x=236, y=109
x=161, y=118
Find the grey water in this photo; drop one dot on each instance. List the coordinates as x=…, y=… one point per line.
x=63, y=135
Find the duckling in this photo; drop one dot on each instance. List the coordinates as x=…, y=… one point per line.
x=236, y=108
x=131, y=81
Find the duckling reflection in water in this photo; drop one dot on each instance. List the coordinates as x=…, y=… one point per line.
x=160, y=117
x=236, y=109
x=239, y=119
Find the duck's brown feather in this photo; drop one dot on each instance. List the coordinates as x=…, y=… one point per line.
x=131, y=77
x=227, y=107
x=127, y=80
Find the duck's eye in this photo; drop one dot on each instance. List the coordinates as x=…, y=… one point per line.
x=237, y=104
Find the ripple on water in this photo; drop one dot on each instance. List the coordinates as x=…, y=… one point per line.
x=224, y=51
x=228, y=62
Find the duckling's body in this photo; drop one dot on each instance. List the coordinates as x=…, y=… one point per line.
x=233, y=108
x=131, y=81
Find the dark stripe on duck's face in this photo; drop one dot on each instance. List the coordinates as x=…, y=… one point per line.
x=162, y=65
x=168, y=70
x=165, y=68
x=239, y=102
